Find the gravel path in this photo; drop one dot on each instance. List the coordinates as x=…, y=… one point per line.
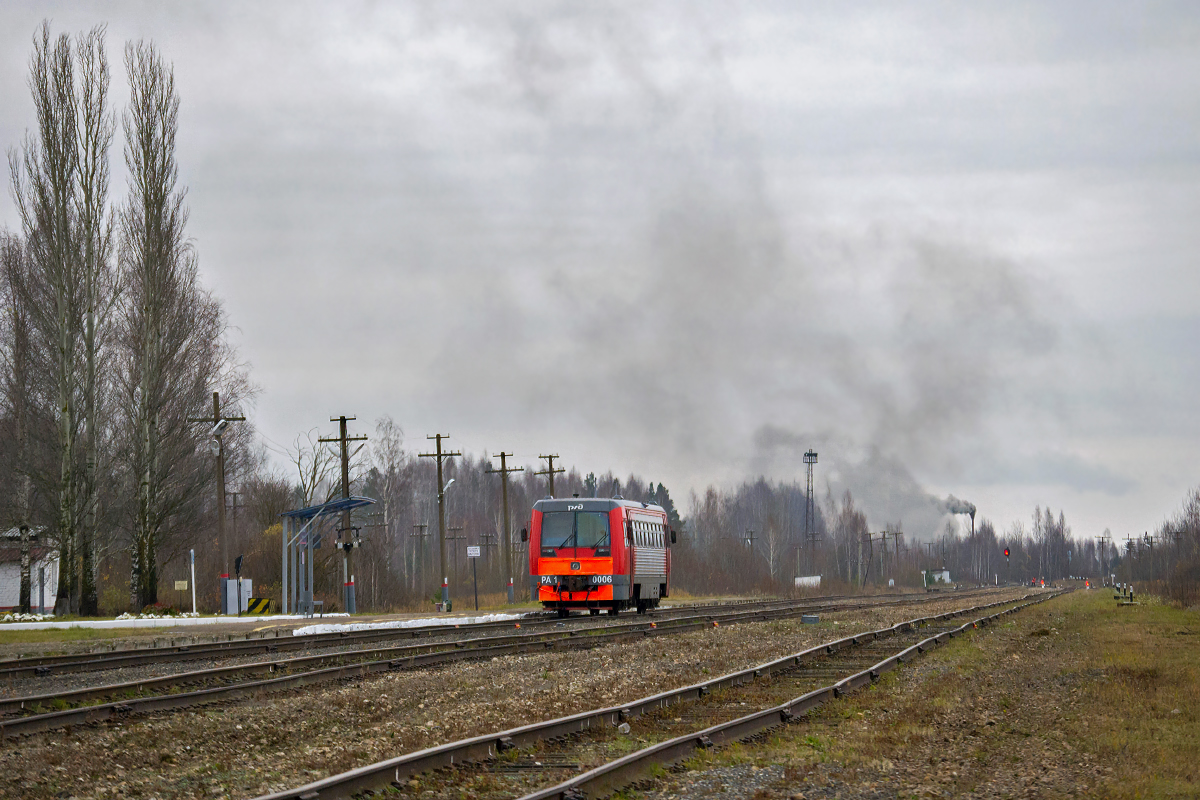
x=289, y=739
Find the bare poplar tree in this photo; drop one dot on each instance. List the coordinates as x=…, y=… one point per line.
x=95, y=225
x=18, y=393
x=171, y=328
x=45, y=187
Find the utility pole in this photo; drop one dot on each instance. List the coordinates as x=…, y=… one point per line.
x=218, y=429
x=347, y=545
x=550, y=470
x=373, y=523
x=504, y=470
x=234, y=507
x=457, y=529
x=419, y=532
x=1150, y=544
x=1104, y=542
x=441, y=457
x=883, y=556
x=487, y=540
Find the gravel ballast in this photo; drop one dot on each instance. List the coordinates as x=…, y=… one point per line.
x=285, y=740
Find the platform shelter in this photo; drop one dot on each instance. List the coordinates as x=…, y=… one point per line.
x=299, y=535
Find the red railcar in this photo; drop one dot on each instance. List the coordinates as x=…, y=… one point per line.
x=599, y=554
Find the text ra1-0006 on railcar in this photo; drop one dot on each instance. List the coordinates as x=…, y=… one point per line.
x=599, y=554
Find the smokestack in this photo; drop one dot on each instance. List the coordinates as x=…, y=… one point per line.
x=956, y=506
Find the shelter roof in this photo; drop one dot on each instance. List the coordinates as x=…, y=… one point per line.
x=332, y=507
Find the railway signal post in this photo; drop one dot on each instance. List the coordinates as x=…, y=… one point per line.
x=503, y=471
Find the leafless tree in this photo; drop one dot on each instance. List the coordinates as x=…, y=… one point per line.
x=46, y=189
x=18, y=392
x=171, y=328
x=394, y=488
x=315, y=467
x=95, y=225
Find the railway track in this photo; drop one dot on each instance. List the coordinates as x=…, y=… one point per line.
x=588, y=755
x=59, y=709
x=281, y=641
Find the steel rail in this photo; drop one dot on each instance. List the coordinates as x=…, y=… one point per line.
x=97, y=661
x=141, y=657
x=462, y=648
x=577, y=639
x=614, y=775
x=379, y=776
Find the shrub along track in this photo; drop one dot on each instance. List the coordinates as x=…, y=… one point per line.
x=547, y=758
x=224, y=684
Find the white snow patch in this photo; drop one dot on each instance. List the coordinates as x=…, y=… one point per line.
x=150, y=621
x=403, y=623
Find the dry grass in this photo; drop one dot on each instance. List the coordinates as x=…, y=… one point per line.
x=1072, y=698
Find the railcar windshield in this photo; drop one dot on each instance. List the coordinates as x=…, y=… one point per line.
x=591, y=529
x=575, y=529
x=557, y=528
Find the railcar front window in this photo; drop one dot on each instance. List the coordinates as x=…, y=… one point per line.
x=557, y=528
x=591, y=529
x=574, y=529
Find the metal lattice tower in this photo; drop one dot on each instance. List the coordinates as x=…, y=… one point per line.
x=810, y=519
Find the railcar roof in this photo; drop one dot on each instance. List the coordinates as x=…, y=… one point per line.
x=592, y=504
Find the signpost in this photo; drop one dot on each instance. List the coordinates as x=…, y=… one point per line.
x=237, y=570
x=181, y=586
x=473, y=553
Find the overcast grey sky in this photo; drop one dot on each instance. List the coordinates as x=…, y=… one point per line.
x=951, y=246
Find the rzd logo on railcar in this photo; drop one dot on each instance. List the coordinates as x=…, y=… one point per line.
x=574, y=506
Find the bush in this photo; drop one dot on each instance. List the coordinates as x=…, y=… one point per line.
x=161, y=610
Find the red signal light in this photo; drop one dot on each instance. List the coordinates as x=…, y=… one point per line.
x=1006, y=552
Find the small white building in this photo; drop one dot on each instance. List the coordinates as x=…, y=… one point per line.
x=43, y=572
x=933, y=576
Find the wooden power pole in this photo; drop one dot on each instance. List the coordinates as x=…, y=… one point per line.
x=218, y=431
x=441, y=487
x=347, y=544
x=549, y=471
x=504, y=470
